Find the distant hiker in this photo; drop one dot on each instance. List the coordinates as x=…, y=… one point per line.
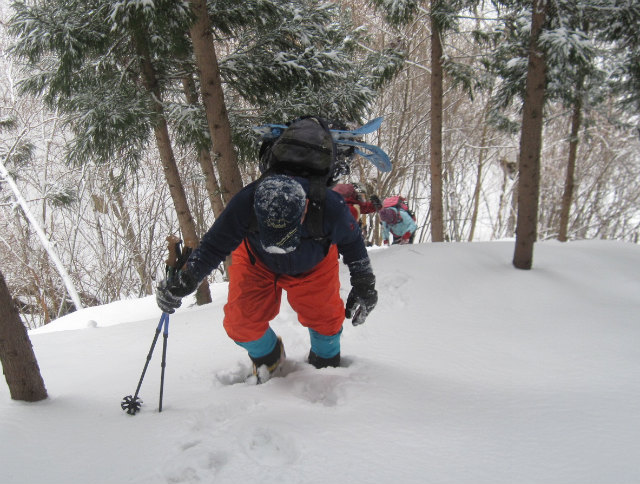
x=277, y=241
x=397, y=222
x=356, y=199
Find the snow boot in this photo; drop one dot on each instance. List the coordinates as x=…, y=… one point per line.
x=266, y=366
x=319, y=362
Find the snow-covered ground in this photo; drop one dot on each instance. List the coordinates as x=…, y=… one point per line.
x=468, y=371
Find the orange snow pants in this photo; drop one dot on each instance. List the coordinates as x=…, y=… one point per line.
x=255, y=293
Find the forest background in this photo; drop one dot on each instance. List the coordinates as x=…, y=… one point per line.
x=114, y=134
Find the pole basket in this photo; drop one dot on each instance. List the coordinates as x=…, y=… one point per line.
x=131, y=404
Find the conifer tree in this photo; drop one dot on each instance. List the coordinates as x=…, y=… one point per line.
x=118, y=53
x=443, y=17
x=575, y=60
x=281, y=59
x=617, y=22
x=530, y=143
x=116, y=70
x=572, y=74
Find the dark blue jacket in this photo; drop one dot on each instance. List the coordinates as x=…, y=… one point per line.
x=235, y=224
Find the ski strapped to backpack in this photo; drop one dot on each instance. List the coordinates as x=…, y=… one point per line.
x=307, y=147
x=345, y=140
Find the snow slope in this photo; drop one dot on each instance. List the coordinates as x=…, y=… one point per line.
x=468, y=371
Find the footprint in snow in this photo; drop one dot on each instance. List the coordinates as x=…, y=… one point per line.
x=242, y=373
x=269, y=447
x=196, y=463
x=325, y=388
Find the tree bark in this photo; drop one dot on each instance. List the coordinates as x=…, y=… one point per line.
x=569, y=183
x=437, y=222
x=19, y=364
x=530, y=145
x=169, y=166
x=213, y=99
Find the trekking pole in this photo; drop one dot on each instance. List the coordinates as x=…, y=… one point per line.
x=132, y=403
x=181, y=259
x=165, y=336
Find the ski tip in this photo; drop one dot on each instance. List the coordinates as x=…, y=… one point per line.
x=366, y=128
x=272, y=131
x=372, y=153
x=379, y=159
x=374, y=124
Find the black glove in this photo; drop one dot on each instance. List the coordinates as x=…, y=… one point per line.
x=362, y=298
x=376, y=202
x=170, y=291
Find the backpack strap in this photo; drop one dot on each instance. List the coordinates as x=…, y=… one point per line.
x=252, y=258
x=314, y=220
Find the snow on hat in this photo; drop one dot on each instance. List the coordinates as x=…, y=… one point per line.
x=388, y=215
x=279, y=203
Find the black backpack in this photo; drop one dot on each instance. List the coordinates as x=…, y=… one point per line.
x=306, y=149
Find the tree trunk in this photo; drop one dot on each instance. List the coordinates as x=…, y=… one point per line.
x=213, y=100
x=169, y=166
x=437, y=222
x=122, y=214
x=567, y=196
x=478, y=187
x=530, y=145
x=513, y=211
x=19, y=364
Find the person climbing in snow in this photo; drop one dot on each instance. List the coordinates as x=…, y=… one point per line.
x=399, y=223
x=264, y=227
x=356, y=199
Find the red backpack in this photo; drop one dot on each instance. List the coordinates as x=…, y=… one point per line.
x=398, y=201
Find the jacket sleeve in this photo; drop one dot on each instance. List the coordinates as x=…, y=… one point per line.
x=346, y=234
x=367, y=207
x=224, y=236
